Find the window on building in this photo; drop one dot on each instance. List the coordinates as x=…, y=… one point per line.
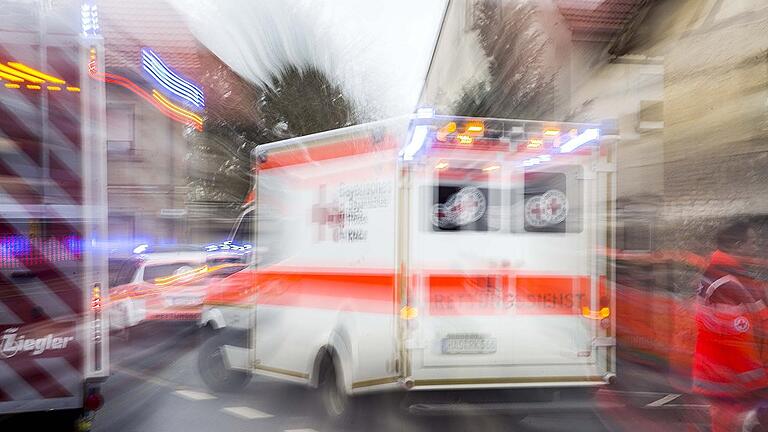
x=120, y=130
x=636, y=236
x=650, y=116
x=122, y=230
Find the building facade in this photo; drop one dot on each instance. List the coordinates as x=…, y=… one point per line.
x=147, y=146
x=685, y=82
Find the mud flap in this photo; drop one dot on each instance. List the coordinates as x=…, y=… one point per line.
x=236, y=358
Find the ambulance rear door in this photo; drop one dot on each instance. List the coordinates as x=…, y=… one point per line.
x=505, y=229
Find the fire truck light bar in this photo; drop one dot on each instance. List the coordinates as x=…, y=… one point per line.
x=89, y=20
x=20, y=74
x=170, y=110
x=10, y=77
x=177, y=109
x=16, y=250
x=34, y=72
x=170, y=80
x=16, y=73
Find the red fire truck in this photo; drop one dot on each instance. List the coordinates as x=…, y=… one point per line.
x=53, y=344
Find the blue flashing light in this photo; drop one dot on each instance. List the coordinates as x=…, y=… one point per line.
x=177, y=90
x=74, y=244
x=583, y=138
x=141, y=248
x=418, y=138
x=228, y=246
x=89, y=19
x=16, y=245
x=16, y=250
x=179, y=87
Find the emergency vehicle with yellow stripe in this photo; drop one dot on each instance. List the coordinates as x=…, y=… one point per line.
x=426, y=253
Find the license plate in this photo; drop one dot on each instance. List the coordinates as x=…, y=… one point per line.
x=468, y=344
x=164, y=316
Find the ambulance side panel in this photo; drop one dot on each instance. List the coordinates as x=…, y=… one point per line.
x=326, y=219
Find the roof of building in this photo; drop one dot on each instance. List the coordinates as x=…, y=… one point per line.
x=598, y=19
x=127, y=26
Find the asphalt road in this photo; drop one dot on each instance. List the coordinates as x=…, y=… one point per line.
x=155, y=387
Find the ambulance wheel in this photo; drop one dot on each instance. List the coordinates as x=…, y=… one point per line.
x=212, y=367
x=338, y=406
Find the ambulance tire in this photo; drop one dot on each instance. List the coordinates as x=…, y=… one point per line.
x=212, y=367
x=338, y=407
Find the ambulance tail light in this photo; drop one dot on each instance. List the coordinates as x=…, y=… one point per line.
x=408, y=312
x=601, y=314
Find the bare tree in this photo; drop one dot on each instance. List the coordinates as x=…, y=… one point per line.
x=242, y=115
x=519, y=85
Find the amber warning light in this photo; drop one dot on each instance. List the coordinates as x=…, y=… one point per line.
x=96, y=325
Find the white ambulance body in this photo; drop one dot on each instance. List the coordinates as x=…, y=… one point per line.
x=433, y=252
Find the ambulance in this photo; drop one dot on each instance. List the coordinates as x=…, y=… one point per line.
x=430, y=255
x=159, y=286
x=54, y=351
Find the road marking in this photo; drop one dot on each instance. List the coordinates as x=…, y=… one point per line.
x=246, y=413
x=686, y=406
x=666, y=399
x=149, y=378
x=625, y=392
x=193, y=395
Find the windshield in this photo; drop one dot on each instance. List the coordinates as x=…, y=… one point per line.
x=153, y=272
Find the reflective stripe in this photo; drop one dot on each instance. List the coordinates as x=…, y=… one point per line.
x=715, y=386
x=752, y=375
x=756, y=307
x=714, y=321
x=720, y=282
x=721, y=318
x=738, y=383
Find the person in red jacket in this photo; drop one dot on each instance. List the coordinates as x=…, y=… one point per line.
x=730, y=313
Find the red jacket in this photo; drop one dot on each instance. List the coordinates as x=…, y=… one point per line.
x=727, y=358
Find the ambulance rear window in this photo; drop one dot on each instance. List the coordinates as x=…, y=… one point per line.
x=463, y=201
x=552, y=201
